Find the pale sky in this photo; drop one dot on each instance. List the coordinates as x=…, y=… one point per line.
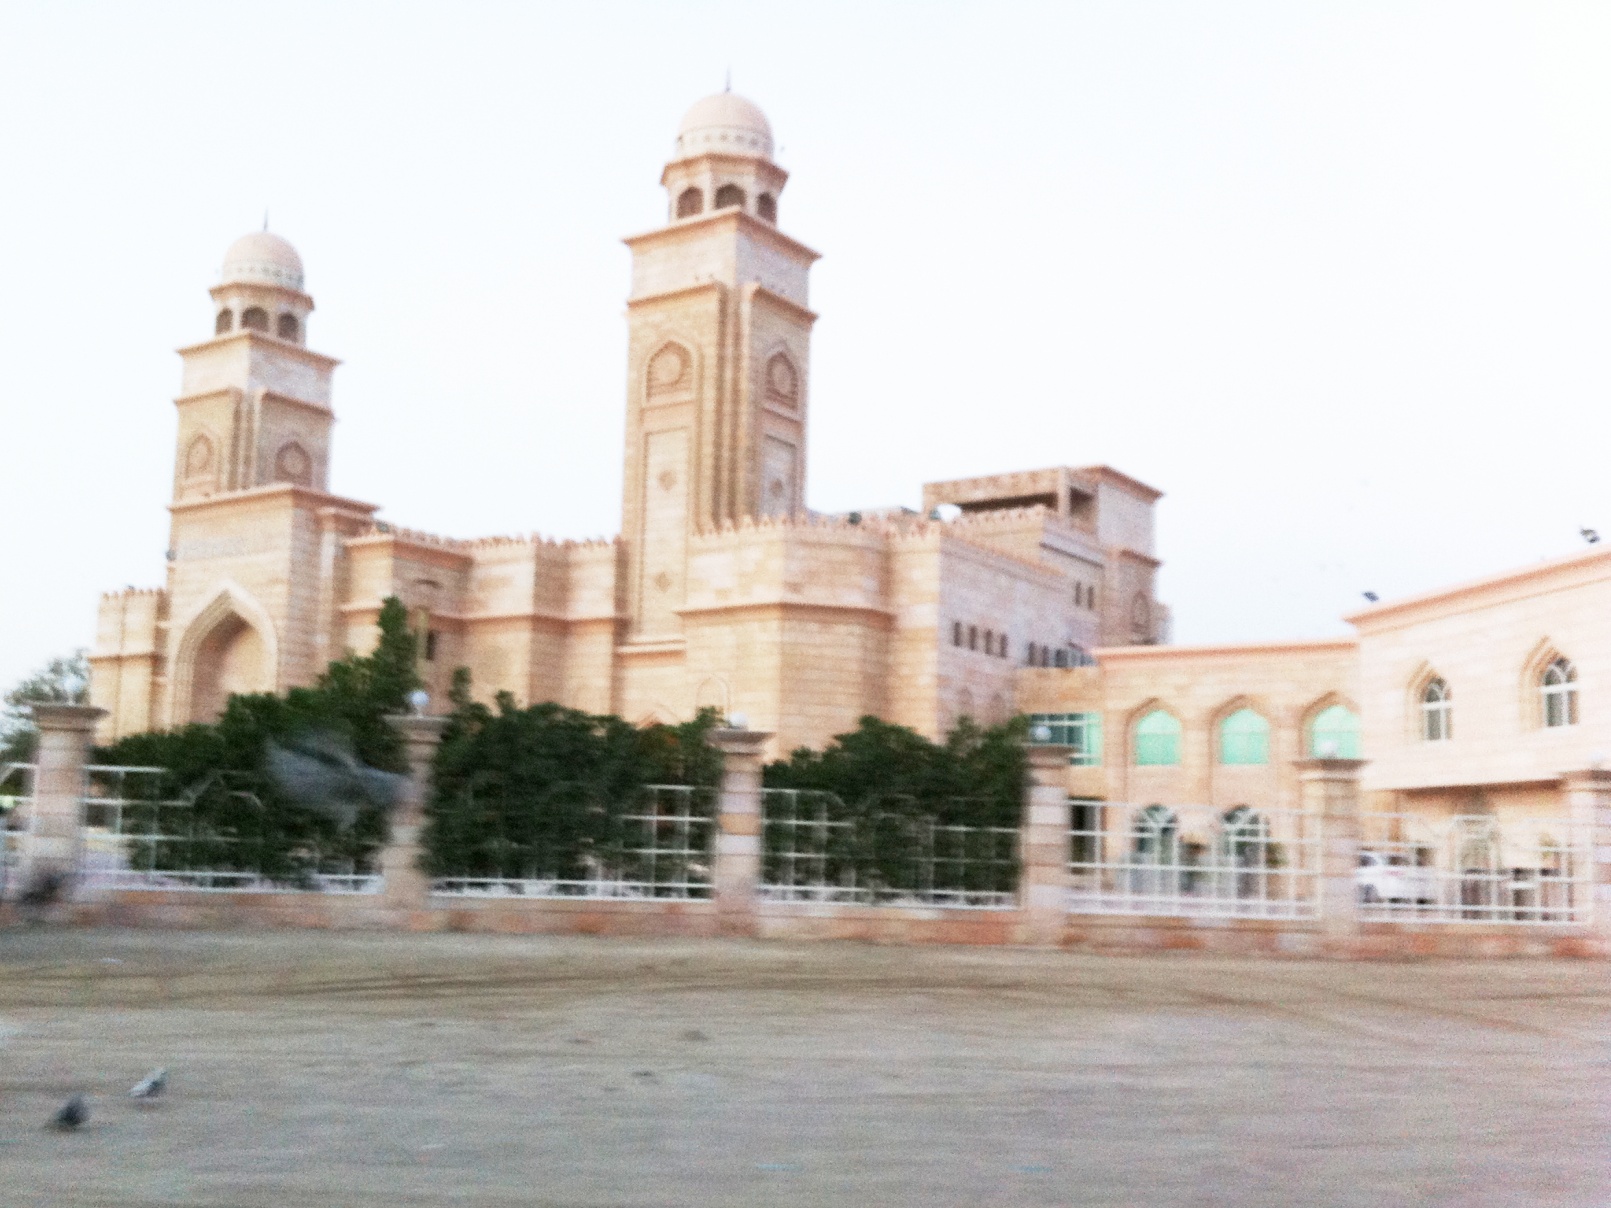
x=1336, y=277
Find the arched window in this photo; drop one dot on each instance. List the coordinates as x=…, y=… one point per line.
x=1437, y=712
x=689, y=203
x=199, y=457
x=1559, y=689
x=767, y=207
x=255, y=318
x=287, y=327
x=224, y=323
x=956, y=633
x=1158, y=740
x=728, y=196
x=1334, y=734
x=1244, y=738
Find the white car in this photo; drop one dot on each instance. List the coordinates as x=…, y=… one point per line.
x=1383, y=877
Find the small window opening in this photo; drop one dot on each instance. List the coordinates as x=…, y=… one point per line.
x=287, y=327
x=224, y=323
x=973, y=637
x=1437, y=712
x=1061, y=657
x=767, y=207
x=956, y=633
x=255, y=318
x=430, y=646
x=689, y=203
x=728, y=196
x=990, y=641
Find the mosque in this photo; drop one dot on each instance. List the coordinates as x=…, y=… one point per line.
x=1029, y=592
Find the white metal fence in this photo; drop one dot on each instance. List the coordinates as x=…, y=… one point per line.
x=664, y=852
x=1193, y=860
x=1473, y=869
x=816, y=849
x=135, y=839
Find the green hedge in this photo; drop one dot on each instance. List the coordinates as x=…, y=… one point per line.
x=540, y=792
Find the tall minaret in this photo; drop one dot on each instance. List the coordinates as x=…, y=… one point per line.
x=716, y=363
x=254, y=407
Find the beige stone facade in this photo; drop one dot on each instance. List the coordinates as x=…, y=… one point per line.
x=1029, y=592
x=724, y=589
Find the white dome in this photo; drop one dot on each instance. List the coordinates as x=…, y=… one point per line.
x=262, y=258
x=725, y=124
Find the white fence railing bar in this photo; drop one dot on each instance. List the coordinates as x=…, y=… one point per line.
x=814, y=849
x=1473, y=868
x=666, y=853
x=1193, y=860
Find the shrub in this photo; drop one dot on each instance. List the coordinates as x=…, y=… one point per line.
x=542, y=792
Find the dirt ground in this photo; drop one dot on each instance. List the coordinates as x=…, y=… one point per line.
x=345, y=1069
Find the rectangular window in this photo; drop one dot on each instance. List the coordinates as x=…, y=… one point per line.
x=1082, y=731
x=430, y=646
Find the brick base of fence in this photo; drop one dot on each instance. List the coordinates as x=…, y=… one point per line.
x=861, y=924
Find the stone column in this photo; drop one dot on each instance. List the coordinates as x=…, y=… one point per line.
x=1330, y=793
x=738, y=829
x=406, y=886
x=1044, y=845
x=52, y=855
x=1587, y=797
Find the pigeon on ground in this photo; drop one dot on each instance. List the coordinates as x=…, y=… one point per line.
x=152, y=1085
x=73, y=1114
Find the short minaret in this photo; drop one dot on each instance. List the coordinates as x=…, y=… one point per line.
x=254, y=407
x=716, y=365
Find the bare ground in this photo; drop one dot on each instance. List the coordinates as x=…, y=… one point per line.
x=345, y=1069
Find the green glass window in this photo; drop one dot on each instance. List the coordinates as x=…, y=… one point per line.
x=1082, y=731
x=1158, y=740
x=1334, y=734
x=1244, y=738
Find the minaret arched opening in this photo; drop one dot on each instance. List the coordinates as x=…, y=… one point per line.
x=729, y=196
x=287, y=328
x=255, y=318
x=690, y=202
x=767, y=207
x=225, y=323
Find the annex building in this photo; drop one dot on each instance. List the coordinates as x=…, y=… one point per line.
x=1030, y=592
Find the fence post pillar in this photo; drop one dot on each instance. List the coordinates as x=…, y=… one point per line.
x=1588, y=803
x=52, y=854
x=406, y=886
x=1330, y=793
x=1043, y=878
x=737, y=869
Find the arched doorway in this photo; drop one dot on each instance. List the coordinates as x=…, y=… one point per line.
x=231, y=659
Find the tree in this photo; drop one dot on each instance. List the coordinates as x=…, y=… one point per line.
x=62, y=681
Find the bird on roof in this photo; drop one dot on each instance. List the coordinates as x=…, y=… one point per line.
x=1589, y=535
x=152, y=1085
x=72, y=1115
